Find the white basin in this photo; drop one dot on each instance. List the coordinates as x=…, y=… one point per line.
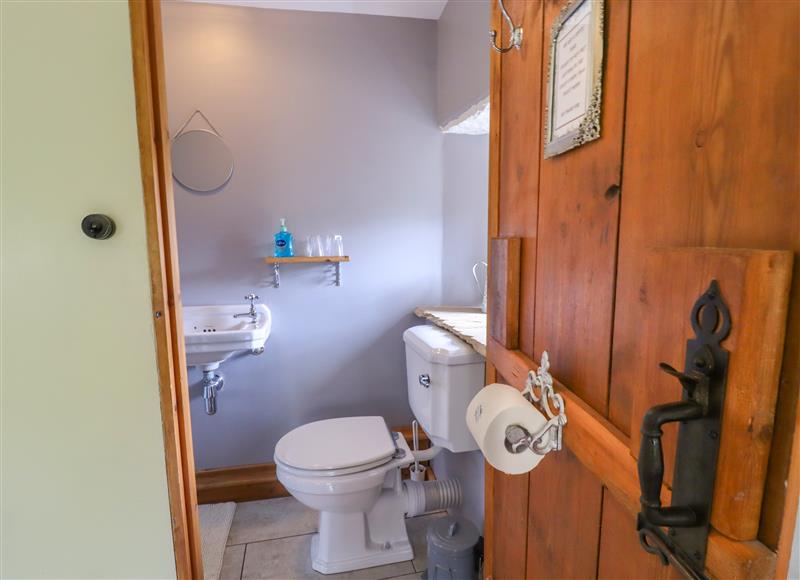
x=212, y=334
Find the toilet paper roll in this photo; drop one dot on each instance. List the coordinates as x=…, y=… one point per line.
x=491, y=410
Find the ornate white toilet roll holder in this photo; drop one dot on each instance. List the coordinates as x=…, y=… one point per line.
x=539, y=391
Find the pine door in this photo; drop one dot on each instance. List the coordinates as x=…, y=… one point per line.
x=598, y=254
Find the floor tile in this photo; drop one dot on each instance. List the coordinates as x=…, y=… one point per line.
x=290, y=558
x=417, y=529
x=232, y=563
x=414, y=576
x=269, y=519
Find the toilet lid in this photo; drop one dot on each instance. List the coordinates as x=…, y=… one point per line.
x=336, y=444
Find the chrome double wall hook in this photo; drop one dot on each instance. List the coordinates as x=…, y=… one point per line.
x=515, y=36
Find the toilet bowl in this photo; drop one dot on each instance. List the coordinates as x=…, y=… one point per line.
x=348, y=468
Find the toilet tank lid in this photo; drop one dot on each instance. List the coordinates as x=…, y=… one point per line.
x=336, y=443
x=439, y=346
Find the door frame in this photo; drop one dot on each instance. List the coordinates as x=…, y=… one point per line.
x=162, y=249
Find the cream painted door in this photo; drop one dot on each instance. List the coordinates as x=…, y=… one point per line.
x=84, y=489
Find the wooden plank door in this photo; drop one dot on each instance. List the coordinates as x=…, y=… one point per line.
x=699, y=149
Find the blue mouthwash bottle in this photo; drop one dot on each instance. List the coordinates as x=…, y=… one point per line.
x=283, y=242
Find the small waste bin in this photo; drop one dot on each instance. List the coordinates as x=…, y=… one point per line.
x=451, y=549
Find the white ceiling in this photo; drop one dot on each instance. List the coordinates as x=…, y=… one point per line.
x=427, y=9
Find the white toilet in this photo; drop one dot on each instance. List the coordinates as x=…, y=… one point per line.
x=349, y=468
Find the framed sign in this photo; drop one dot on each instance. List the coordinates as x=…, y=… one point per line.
x=575, y=77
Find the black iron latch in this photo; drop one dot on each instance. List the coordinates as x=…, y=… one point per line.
x=699, y=413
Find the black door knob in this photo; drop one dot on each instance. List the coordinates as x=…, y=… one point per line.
x=98, y=226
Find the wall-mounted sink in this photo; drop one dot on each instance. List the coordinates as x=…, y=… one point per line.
x=213, y=333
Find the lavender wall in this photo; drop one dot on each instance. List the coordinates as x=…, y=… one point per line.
x=465, y=221
x=463, y=72
x=463, y=80
x=466, y=215
x=332, y=122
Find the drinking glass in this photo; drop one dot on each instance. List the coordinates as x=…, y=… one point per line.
x=338, y=246
x=319, y=246
x=329, y=245
x=309, y=246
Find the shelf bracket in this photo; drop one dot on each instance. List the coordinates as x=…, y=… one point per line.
x=276, y=275
x=335, y=262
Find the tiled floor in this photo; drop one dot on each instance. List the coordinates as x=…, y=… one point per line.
x=271, y=539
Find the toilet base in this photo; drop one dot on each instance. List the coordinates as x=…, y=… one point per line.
x=356, y=540
x=369, y=559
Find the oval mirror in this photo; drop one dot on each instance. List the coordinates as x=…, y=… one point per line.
x=201, y=161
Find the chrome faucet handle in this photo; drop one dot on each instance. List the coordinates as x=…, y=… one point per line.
x=252, y=298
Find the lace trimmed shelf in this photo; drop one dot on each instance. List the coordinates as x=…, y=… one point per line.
x=468, y=324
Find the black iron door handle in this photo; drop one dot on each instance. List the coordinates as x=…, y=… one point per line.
x=699, y=413
x=651, y=463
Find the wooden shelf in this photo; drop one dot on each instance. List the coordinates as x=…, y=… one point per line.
x=335, y=261
x=307, y=260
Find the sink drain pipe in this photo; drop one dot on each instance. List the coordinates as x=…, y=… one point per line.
x=428, y=496
x=212, y=382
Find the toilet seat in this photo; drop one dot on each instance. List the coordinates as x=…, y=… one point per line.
x=332, y=472
x=333, y=447
x=337, y=482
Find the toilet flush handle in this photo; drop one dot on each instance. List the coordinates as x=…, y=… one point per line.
x=425, y=380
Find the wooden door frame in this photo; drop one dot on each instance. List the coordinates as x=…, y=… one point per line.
x=162, y=249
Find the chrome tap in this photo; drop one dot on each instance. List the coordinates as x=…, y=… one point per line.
x=252, y=314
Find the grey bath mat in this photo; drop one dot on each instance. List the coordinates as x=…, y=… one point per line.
x=215, y=524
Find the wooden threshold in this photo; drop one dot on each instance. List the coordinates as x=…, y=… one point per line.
x=605, y=451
